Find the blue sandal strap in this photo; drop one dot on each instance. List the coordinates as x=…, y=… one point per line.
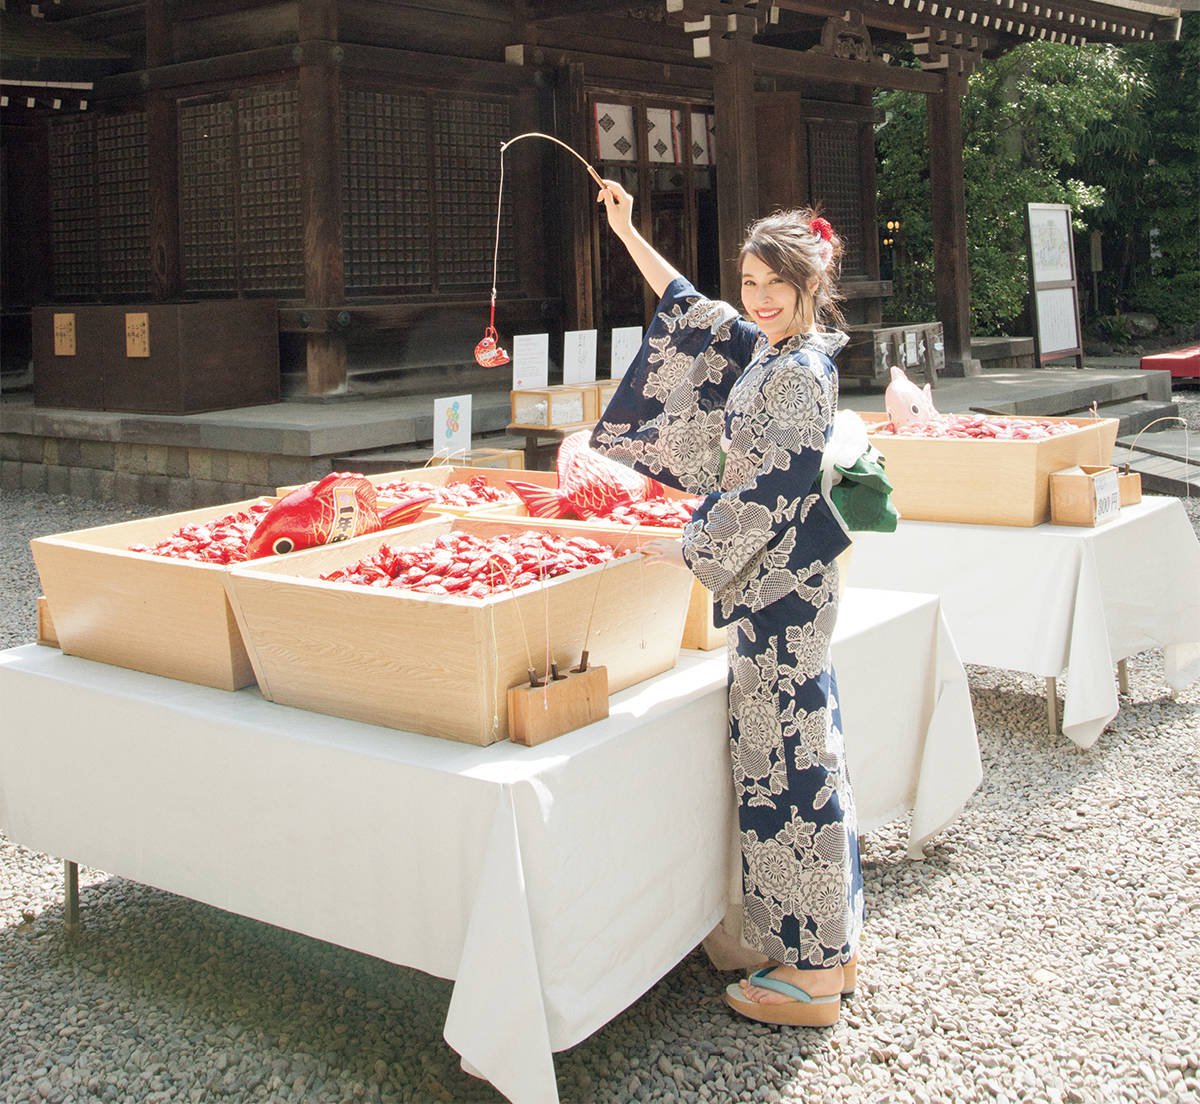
x=762, y=980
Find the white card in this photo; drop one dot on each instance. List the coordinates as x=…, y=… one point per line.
x=579, y=356
x=452, y=426
x=531, y=361
x=626, y=341
x=1108, y=495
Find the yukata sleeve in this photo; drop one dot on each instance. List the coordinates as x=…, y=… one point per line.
x=748, y=542
x=666, y=419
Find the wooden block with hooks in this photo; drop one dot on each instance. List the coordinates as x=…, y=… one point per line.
x=539, y=713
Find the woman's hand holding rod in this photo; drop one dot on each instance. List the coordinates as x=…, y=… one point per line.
x=619, y=205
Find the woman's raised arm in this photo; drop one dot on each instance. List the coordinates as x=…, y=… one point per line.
x=619, y=204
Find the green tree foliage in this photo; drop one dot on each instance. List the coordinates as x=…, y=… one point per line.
x=1050, y=123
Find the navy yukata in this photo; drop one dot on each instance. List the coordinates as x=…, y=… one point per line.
x=710, y=408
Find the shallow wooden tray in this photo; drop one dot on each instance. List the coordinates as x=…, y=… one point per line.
x=442, y=665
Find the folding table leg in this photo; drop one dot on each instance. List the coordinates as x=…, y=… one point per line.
x=71, y=902
x=1052, y=705
x=1123, y=676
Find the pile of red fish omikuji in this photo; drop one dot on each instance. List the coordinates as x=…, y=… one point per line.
x=475, y=567
x=979, y=427
x=474, y=492
x=222, y=541
x=669, y=513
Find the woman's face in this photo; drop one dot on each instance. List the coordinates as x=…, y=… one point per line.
x=769, y=299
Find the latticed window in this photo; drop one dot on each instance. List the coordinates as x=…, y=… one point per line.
x=420, y=171
x=100, y=206
x=239, y=192
x=836, y=186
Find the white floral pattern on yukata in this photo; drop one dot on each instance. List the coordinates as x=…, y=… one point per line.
x=763, y=540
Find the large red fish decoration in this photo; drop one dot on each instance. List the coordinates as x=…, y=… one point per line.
x=589, y=484
x=337, y=508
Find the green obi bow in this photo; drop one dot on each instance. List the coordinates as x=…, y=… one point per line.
x=863, y=494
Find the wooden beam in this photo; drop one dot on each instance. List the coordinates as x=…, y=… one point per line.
x=319, y=85
x=737, y=155
x=577, y=283
x=814, y=66
x=541, y=11
x=952, y=274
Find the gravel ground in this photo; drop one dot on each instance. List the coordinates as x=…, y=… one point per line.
x=1047, y=950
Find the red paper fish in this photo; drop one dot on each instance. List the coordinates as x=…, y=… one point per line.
x=337, y=508
x=589, y=484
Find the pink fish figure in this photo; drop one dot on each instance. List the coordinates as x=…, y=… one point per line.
x=908, y=404
x=337, y=508
x=589, y=484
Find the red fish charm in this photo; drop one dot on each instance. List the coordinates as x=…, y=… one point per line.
x=589, y=484
x=337, y=508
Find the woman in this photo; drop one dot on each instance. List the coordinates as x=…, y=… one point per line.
x=739, y=411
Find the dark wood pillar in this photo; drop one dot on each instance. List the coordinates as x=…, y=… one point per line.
x=737, y=155
x=166, y=266
x=319, y=81
x=952, y=275
x=577, y=284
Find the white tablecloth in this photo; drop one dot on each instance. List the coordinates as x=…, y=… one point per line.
x=555, y=884
x=1054, y=598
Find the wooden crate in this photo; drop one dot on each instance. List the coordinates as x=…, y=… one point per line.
x=151, y=613
x=563, y=404
x=986, y=482
x=443, y=665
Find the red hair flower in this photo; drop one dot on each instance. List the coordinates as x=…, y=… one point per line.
x=822, y=229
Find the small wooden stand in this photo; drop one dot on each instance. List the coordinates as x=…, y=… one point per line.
x=45, y=624
x=539, y=713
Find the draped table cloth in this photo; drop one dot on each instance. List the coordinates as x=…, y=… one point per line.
x=1053, y=597
x=554, y=884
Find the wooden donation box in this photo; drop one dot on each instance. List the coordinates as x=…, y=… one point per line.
x=156, y=358
x=916, y=347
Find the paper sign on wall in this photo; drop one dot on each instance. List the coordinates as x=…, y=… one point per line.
x=452, y=425
x=579, y=356
x=64, y=335
x=137, y=335
x=626, y=341
x=531, y=360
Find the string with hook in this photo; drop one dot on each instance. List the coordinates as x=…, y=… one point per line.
x=488, y=353
x=1187, y=449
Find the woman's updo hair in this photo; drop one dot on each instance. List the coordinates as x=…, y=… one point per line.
x=799, y=244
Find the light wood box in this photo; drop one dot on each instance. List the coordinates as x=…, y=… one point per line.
x=986, y=482
x=151, y=613
x=553, y=406
x=1075, y=496
x=443, y=665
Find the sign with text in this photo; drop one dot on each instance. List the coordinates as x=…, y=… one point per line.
x=452, y=425
x=579, y=356
x=531, y=361
x=1053, y=283
x=626, y=341
x=64, y=335
x=137, y=335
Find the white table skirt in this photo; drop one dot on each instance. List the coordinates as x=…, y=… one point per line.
x=1054, y=598
x=555, y=884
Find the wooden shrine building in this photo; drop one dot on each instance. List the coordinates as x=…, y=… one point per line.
x=338, y=160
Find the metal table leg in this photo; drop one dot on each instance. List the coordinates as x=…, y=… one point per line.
x=71, y=903
x=1052, y=705
x=1123, y=676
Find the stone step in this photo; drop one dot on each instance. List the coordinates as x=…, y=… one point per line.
x=1073, y=400
x=1136, y=414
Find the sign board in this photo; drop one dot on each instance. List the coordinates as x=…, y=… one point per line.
x=626, y=342
x=1053, y=282
x=579, y=356
x=64, y=335
x=531, y=361
x=137, y=335
x=452, y=425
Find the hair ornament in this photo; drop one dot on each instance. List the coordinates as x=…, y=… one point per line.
x=822, y=229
